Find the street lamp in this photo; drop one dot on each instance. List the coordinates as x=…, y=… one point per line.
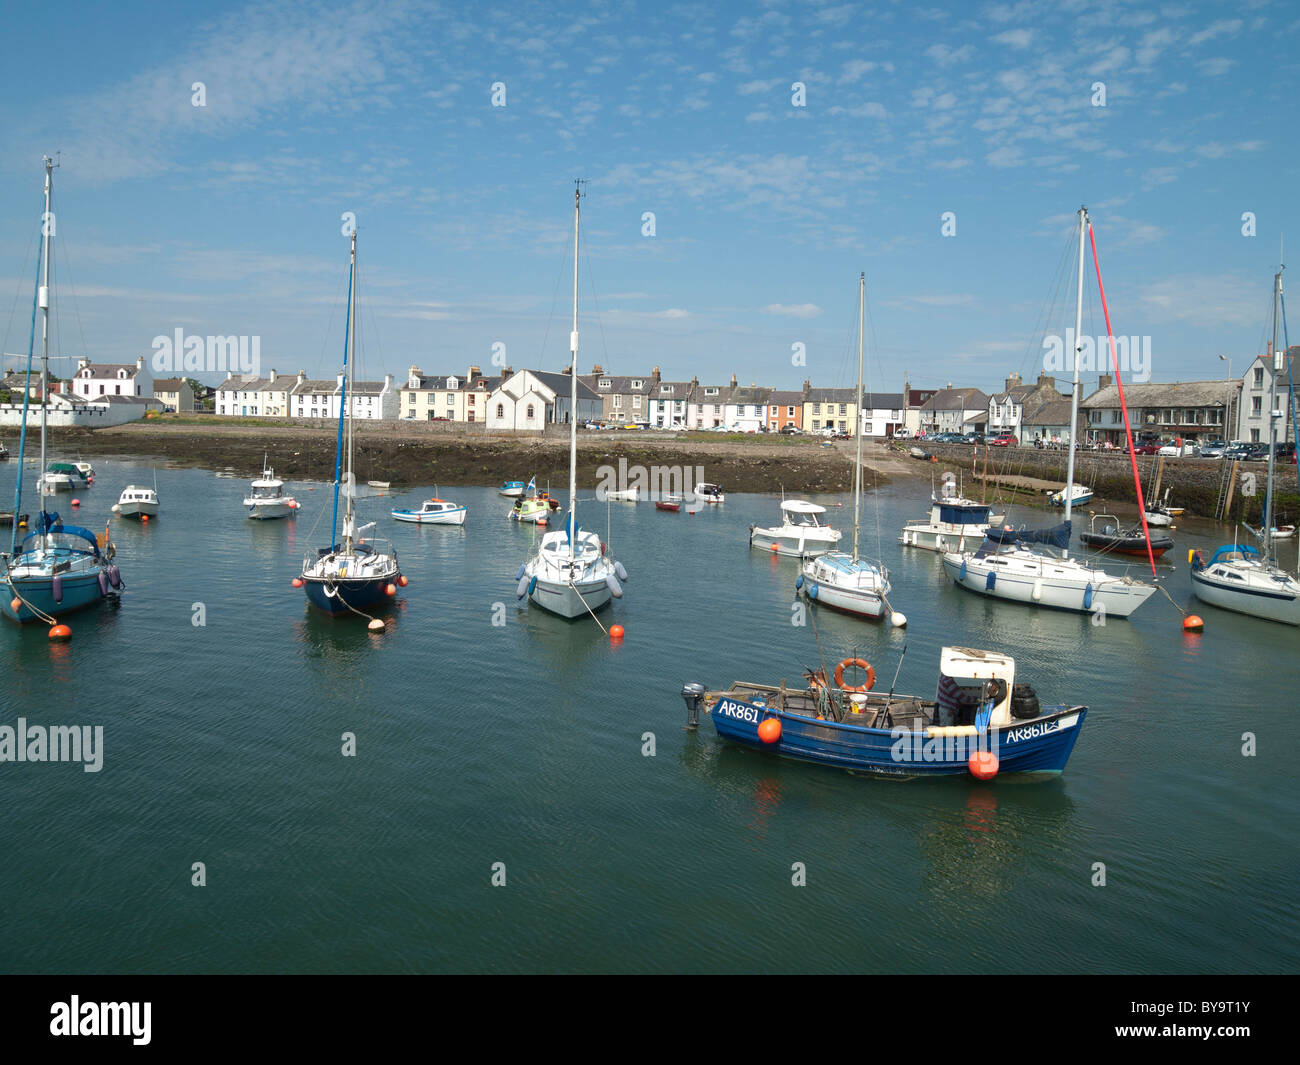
x=1227, y=406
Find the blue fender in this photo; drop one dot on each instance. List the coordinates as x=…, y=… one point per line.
x=56, y=589
x=532, y=586
x=798, y=582
x=990, y=581
x=812, y=591
x=1087, y=597
x=962, y=575
x=522, y=567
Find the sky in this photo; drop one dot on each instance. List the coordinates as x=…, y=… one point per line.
x=781, y=149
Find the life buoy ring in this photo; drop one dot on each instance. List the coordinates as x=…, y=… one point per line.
x=859, y=663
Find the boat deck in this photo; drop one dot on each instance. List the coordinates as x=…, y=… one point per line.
x=880, y=710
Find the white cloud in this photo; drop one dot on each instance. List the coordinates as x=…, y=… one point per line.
x=795, y=310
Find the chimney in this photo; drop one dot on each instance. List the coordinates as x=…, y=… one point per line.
x=655, y=373
x=1270, y=349
x=271, y=380
x=597, y=370
x=948, y=386
x=807, y=387
x=1013, y=381
x=1105, y=381
x=302, y=376
x=567, y=370
x=733, y=380
x=475, y=371
x=695, y=382
x=1046, y=380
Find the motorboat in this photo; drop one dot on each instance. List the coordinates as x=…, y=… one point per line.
x=434, y=512
x=800, y=534
x=136, y=502
x=709, y=493
x=266, y=499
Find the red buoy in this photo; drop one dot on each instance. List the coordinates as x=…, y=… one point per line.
x=983, y=765
x=144, y=519
x=1192, y=623
x=401, y=579
x=774, y=547
x=390, y=589
x=60, y=633
x=15, y=604
x=770, y=730
x=76, y=502
x=297, y=582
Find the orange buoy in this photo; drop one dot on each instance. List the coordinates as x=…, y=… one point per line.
x=541, y=521
x=774, y=547
x=297, y=582
x=59, y=633
x=770, y=730
x=144, y=519
x=76, y=502
x=616, y=632
x=983, y=765
x=390, y=589
x=401, y=579
x=15, y=604
x=1193, y=623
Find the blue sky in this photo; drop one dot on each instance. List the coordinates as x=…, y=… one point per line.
x=225, y=219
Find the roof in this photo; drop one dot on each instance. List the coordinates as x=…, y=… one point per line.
x=330, y=385
x=561, y=385
x=107, y=369
x=786, y=399
x=168, y=384
x=801, y=506
x=1175, y=394
x=831, y=395
x=749, y=394
x=617, y=384
x=1054, y=412
x=883, y=400
x=680, y=390
x=957, y=399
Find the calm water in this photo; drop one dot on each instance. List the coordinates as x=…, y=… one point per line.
x=521, y=743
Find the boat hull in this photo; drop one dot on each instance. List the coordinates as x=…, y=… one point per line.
x=1118, y=598
x=1126, y=545
x=137, y=510
x=78, y=592
x=1040, y=745
x=339, y=597
x=268, y=511
x=929, y=538
x=564, y=600
x=791, y=544
x=447, y=517
x=1268, y=606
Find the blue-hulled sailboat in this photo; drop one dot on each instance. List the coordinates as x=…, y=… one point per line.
x=355, y=573
x=56, y=568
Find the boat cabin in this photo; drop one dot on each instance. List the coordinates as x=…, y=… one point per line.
x=132, y=494
x=974, y=687
x=799, y=512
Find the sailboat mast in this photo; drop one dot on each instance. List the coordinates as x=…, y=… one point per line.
x=1074, y=389
x=857, y=465
x=573, y=382
x=43, y=299
x=1279, y=363
x=347, y=347
x=350, y=361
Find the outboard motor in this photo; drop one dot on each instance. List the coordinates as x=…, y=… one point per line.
x=693, y=694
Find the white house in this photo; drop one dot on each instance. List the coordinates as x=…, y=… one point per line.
x=531, y=399
x=668, y=403
x=705, y=406
x=882, y=414
x=746, y=409
x=367, y=400
x=1252, y=410
x=95, y=379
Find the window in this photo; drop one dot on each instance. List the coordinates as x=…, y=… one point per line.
x=119, y=390
x=618, y=402
x=1259, y=377
x=866, y=428
x=450, y=399
x=789, y=412
x=101, y=392
x=605, y=382
x=717, y=408
x=816, y=424
x=501, y=410
x=1114, y=417
x=531, y=412
x=817, y=409
x=1254, y=436
x=711, y=392
x=844, y=409
x=1256, y=405
x=638, y=384
x=636, y=402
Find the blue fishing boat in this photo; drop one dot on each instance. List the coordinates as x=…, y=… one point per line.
x=512, y=489
x=56, y=568
x=980, y=721
x=355, y=573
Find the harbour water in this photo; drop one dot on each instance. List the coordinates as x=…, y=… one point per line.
x=488, y=732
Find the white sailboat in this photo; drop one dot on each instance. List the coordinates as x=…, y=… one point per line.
x=56, y=568
x=838, y=579
x=1238, y=577
x=355, y=572
x=1020, y=573
x=571, y=575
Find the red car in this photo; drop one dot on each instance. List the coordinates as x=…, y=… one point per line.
x=1145, y=449
x=1005, y=440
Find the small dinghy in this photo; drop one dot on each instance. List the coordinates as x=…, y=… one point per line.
x=627, y=496
x=7, y=519
x=673, y=503
x=1114, y=538
x=918, y=453
x=434, y=512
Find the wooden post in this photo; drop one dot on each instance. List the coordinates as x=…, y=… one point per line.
x=1232, y=484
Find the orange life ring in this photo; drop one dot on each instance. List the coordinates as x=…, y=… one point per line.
x=860, y=663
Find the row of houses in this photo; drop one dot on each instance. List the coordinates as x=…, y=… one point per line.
x=1235, y=409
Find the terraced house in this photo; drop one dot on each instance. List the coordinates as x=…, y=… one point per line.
x=623, y=400
x=1186, y=410
x=705, y=406
x=446, y=397
x=668, y=404
x=830, y=408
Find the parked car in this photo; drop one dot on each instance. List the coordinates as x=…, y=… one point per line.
x=1005, y=440
x=791, y=430
x=1179, y=450
x=1144, y=449
x=1211, y=451
x=1236, y=452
